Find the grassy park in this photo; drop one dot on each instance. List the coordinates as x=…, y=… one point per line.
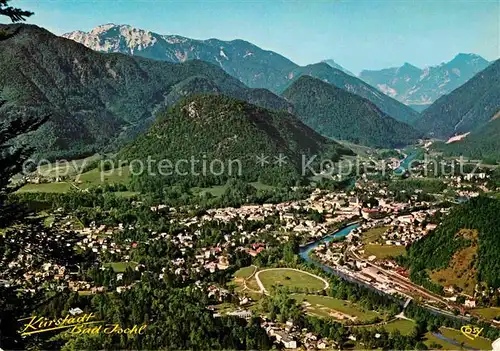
x=373, y=234
x=488, y=313
x=244, y=272
x=330, y=307
x=404, y=326
x=290, y=279
x=384, y=251
x=120, y=267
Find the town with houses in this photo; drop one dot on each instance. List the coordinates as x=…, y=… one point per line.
x=368, y=207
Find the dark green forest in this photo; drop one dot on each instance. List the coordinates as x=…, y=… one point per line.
x=466, y=108
x=436, y=250
x=221, y=130
x=481, y=144
x=98, y=100
x=346, y=82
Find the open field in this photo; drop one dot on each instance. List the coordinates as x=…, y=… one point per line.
x=479, y=343
x=120, y=267
x=373, y=235
x=75, y=181
x=244, y=286
x=458, y=272
x=384, y=251
x=290, y=279
x=252, y=284
x=330, y=307
x=244, y=272
x=72, y=179
x=96, y=177
x=70, y=168
x=126, y=194
x=430, y=339
x=59, y=187
x=216, y=190
x=489, y=313
x=404, y=326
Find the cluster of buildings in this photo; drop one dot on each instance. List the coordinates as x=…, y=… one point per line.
x=290, y=336
x=38, y=259
x=401, y=230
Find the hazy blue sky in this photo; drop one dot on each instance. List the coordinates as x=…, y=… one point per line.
x=357, y=34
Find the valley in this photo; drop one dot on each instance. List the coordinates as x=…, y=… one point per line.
x=233, y=187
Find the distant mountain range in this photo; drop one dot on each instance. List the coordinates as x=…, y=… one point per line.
x=418, y=87
x=255, y=67
x=252, y=65
x=334, y=64
x=102, y=101
x=336, y=113
x=96, y=100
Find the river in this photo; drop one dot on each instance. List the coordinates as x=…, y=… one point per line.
x=306, y=249
x=406, y=162
x=341, y=233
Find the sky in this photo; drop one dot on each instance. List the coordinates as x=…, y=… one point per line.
x=357, y=34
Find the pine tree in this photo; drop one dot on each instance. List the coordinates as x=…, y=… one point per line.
x=15, y=14
x=12, y=158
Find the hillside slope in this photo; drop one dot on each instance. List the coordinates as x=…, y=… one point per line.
x=481, y=144
x=465, y=109
x=328, y=74
x=96, y=98
x=335, y=113
x=470, y=227
x=226, y=131
x=252, y=65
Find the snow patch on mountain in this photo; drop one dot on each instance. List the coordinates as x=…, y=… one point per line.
x=457, y=138
x=387, y=90
x=223, y=54
x=174, y=39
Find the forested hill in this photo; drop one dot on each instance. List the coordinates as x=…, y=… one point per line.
x=336, y=113
x=467, y=242
x=466, y=108
x=481, y=144
x=94, y=98
x=213, y=128
x=339, y=79
x=252, y=65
